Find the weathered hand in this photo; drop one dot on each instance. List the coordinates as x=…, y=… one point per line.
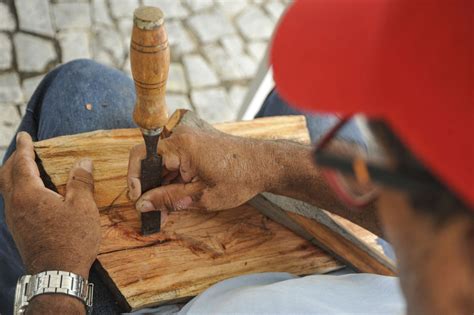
x=201, y=170
x=50, y=231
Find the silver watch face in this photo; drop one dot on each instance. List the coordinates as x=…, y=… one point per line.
x=52, y=282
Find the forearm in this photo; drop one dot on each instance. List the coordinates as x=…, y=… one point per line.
x=294, y=174
x=55, y=304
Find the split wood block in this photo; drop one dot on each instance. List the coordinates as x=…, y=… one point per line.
x=195, y=249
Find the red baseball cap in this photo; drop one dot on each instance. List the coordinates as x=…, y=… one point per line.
x=409, y=62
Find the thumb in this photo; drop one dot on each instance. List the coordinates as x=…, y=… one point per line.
x=171, y=197
x=81, y=182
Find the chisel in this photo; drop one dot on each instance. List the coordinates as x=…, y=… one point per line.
x=150, y=58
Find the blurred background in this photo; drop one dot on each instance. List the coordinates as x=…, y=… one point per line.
x=216, y=47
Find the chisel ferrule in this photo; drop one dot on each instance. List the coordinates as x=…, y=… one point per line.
x=151, y=132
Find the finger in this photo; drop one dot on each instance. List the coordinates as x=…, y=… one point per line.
x=137, y=154
x=169, y=177
x=24, y=145
x=25, y=171
x=171, y=197
x=80, y=185
x=167, y=146
x=171, y=162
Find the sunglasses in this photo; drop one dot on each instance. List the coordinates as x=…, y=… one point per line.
x=356, y=173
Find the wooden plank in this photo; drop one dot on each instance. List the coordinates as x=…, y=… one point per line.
x=345, y=240
x=195, y=250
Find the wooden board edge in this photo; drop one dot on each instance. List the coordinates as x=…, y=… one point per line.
x=322, y=226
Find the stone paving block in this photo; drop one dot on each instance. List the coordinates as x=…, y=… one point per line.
x=179, y=40
x=7, y=21
x=226, y=66
x=74, y=45
x=254, y=24
x=125, y=26
x=103, y=57
x=108, y=42
x=237, y=95
x=72, y=15
x=231, y=7
x=10, y=91
x=177, y=101
x=100, y=12
x=199, y=5
x=257, y=50
x=33, y=54
x=233, y=44
x=213, y=105
x=34, y=16
x=5, y=52
x=210, y=27
x=127, y=67
x=230, y=67
x=123, y=8
x=176, y=79
x=30, y=85
x=9, y=121
x=275, y=9
x=198, y=71
x=171, y=8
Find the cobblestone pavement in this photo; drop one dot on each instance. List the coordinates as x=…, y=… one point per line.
x=216, y=46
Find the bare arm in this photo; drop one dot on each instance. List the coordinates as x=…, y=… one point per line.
x=295, y=175
x=214, y=171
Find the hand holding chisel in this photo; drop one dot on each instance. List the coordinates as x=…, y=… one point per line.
x=150, y=58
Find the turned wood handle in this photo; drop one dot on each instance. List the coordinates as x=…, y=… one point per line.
x=150, y=60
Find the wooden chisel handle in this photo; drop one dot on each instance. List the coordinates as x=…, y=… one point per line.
x=150, y=60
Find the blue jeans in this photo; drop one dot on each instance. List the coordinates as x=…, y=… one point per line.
x=58, y=107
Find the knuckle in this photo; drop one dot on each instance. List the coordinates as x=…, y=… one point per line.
x=186, y=141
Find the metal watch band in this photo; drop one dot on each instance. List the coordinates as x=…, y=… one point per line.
x=51, y=282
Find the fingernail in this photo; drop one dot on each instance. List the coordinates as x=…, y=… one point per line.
x=183, y=203
x=145, y=206
x=86, y=164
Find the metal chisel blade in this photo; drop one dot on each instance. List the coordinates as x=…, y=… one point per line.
x=150, y=178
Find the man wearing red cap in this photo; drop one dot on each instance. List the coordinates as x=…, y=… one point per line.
x=407, y=66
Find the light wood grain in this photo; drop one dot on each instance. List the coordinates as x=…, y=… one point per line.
x=195, y=250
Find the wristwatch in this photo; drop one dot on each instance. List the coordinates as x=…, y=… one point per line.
x=52, y=282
